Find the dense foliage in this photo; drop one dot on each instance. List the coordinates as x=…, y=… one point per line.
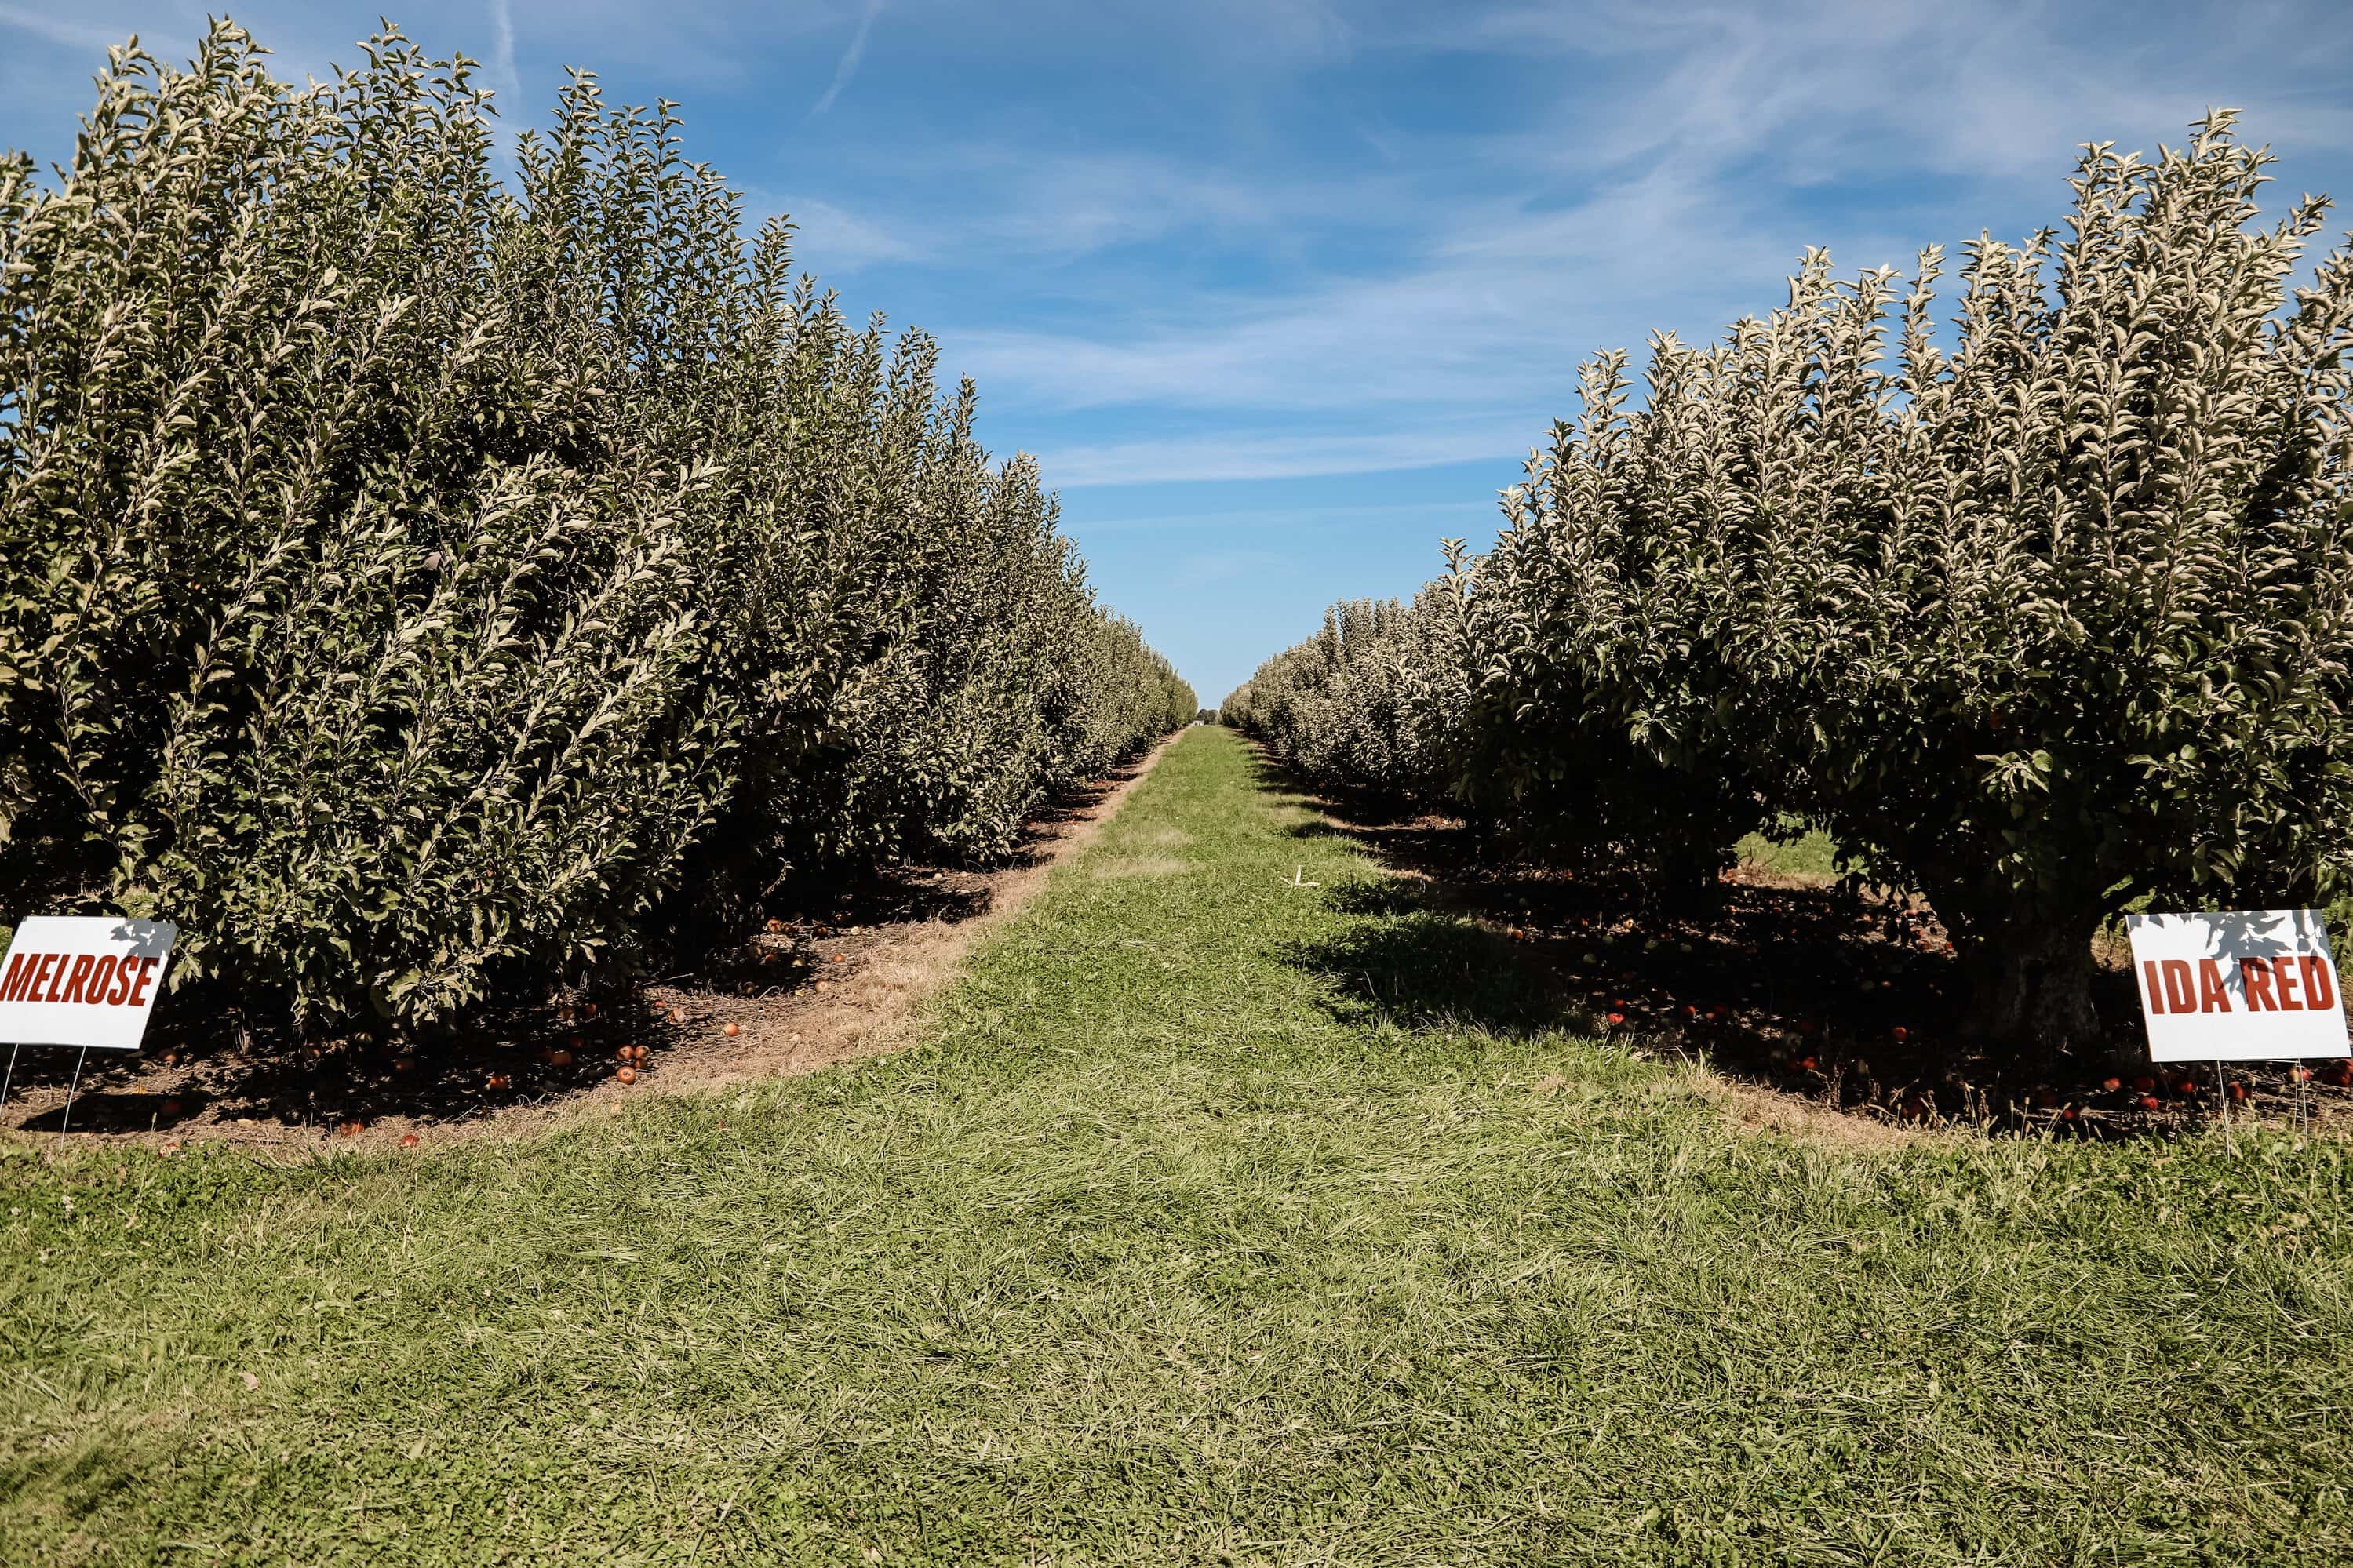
x=2043, y=623
x=1335, y=705
x=406, y=579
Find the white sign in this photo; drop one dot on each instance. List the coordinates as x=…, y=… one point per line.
x=2248, y=985
x=89, y=981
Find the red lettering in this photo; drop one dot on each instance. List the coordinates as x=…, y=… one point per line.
x=139, y=988
x=2211, y=997
x=2319, y=983
x=82, y=960
x=2284, y=971
x=43, y=989
x=2179, y=997
x=2156, y=987
x=125, y=971
x=2255, y=979
x=20, y=974
x=102, y=974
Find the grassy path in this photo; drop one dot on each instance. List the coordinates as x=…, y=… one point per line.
x=1171, y=1246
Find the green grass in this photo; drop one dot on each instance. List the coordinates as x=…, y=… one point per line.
x=1793, y=849
x=1217, y=1220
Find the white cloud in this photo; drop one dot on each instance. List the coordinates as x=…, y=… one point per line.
x=69, y=35
x=1497, y=310
x=1965, y=86
x=1075, y=204
x=1353, y=280
x=1665, y=188
x=994, y=203
x=1246, y=454
x=1269, y=517
x=829, y=239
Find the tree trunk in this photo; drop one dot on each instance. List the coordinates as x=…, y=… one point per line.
x=2029, y=975
x=1687, y=880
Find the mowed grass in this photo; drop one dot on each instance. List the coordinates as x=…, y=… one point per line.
x=1217, y=1220
x=1793, y=850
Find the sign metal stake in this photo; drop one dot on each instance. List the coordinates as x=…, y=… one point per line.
x=2241, y=985
x=2223, y=1098
x=116, y=965
x=67, y=1120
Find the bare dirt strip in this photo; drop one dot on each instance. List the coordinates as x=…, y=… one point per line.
x=843, y=980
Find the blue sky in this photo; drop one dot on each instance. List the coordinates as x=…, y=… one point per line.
x=1280, y=291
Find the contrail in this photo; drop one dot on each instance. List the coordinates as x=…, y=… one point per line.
x=849, y=58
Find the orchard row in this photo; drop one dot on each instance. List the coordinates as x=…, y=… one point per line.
x=419, y=585
x=2039, y=611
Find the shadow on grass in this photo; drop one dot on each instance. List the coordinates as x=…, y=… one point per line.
x=1806, y=988
x=1387, y=897
x=1424, y=969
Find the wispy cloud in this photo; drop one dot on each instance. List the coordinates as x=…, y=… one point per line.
x=1844, y=86
x=1239, y=454
x=830, y=240
x=1673, y=190
x=1494, y=311
x=991, y=203
x=1266, y=517
x=71, y=35
x=850, y=56
x=502, y=52
x=1269, y=245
